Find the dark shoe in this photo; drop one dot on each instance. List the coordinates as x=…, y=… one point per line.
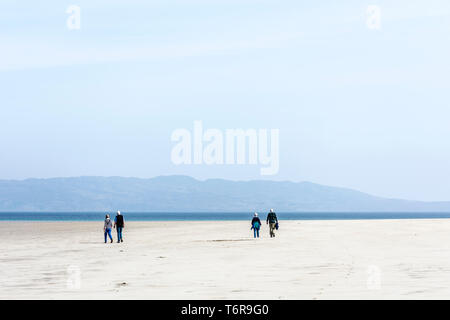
x=121, y=240
x=111, y=241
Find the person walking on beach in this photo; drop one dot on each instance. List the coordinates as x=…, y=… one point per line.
x=256, y=224
x=107, y=228
x=119, y=224
x=272, y=220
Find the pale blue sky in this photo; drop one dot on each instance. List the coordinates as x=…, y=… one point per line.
x=356, y=107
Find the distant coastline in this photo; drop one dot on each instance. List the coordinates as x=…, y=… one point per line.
x=217, y=216
x=186, y=194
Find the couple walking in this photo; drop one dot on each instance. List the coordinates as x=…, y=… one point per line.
x=271, y=219
x=119, y=224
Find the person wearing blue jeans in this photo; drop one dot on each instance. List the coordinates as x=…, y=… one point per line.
x=107, y=228
x=119, y=224
x=256, y=224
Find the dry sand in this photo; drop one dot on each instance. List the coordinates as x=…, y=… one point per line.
x=383, y=259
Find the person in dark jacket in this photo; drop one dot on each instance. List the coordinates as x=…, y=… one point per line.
x=256, y=224
x=119, y=224
x=272, y=220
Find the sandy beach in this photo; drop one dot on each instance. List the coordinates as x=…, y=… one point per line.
x=382, y=259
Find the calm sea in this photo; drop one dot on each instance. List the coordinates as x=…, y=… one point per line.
x=196, y=216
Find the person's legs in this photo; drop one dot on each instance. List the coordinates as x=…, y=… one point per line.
x=105, y=235
x=272, y=230
x=119, y=234
x=109, y=234
x=254, y=232
x=257, y=232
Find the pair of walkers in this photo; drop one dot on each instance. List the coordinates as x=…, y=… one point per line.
x=119, y=224
x=271, y=220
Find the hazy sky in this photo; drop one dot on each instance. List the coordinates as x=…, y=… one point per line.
x=356, y=107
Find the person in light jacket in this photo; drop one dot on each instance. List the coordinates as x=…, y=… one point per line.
x=107, y=226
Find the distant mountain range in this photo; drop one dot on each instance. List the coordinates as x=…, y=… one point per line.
x=185, y=194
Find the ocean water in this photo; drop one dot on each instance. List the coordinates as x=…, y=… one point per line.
x=220, y=216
